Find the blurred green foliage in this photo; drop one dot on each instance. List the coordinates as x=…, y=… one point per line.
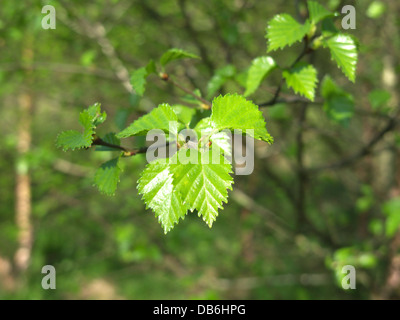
x=110, y=247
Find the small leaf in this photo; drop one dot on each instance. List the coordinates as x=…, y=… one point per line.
x=283, y=30
x=175, y=54
x=338, y=105
x=328, y=27
x=302, y=79
x=233, y=111
x=107, y=176
x=376, y=9
x=138, y=80
x=94, y=116
x=220, y=77
x=317, y=12
x=344, y=51
x=379, y=98
x=163, y=117
x=88, y=118
x=72, y=139
x=392, y=210
x=260, y=68
x=151, y=67
x=185, y=114
x=159, y=194
x=202, y=184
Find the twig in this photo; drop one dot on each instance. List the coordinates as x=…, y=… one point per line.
x=195, y=37
x=364, y=151
x=167, y=78
x=273, y=220
x=97, y=32
x=274, y=100
x=126, y=152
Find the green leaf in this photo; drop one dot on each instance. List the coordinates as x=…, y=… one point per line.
x=283, y=30
x=139, y=76
x=222, y=141
x=109, y=138
x=376, y=9
x=338, y=105
x=185, y=114
x=260, y=68
x=317, y=12
x=344, y=51
x=233, y=111
x=163, y=117
x=175, y=54
x=159, y=194
x=392, y=210
x=89, y=119
x=93, y=116
x=107, y=176
x=72, y=139
x=379, y=98
x=151, y=67
x=302, y=79
x=220, y=77
x=202, y=184
x=138, y=80
x=328, y=27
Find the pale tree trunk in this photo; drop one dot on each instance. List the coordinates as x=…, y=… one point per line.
x=23, y=206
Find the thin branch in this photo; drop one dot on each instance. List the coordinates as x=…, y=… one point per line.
x=167, y=78
x=272, y=219
x=274, y=100
x=195, y=37
x=364, y=151
x=97, y=32
x=126, y=152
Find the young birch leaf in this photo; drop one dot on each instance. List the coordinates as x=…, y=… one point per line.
x=157, y=190
x=138, y=80
x=202, y=182
x=344, y=51
x=283, y=30
x=338, y=105
x=260, y=68
x=185, y=114
x=163, y=117
x=233, y=111
x=220, y=77
x=88, y=118
x=72, y=139
x=107, y=176
x=222, y=141
x=175, y=54
x=317, y=12
x=302, y=79
x=94, y=116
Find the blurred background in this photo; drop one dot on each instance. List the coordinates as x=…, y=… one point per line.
x=324, y=195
